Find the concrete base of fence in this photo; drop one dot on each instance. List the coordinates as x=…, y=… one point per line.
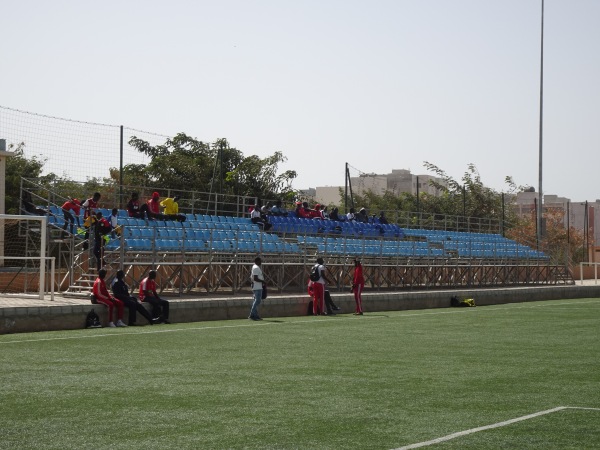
x=52, y=316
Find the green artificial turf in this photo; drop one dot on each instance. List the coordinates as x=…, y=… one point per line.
x=380, y=381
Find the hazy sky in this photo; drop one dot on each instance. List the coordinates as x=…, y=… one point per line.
x=378, y=84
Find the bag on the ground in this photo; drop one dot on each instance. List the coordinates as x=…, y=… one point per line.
x=467, y=302
x=92, y=320
x=314, y=273
x=309, y=311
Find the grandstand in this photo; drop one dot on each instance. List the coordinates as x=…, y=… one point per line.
x=213, y=252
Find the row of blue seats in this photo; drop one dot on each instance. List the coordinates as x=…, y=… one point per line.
x=442, y=235
x=341, y=246
x=202, y=234
x=197, y=245
x=319, y=226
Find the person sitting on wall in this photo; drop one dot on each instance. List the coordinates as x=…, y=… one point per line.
x=148, y=294
x=121, y=292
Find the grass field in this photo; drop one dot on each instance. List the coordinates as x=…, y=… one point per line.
x=380, y=381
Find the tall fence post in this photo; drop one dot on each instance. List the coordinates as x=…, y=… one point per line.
x=121, y=171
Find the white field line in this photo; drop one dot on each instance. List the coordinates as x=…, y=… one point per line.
x=506, y=307
x=492, y=426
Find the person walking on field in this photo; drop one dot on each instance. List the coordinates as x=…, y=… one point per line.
x=257, y=278
x=319, y=288
x=358, y=284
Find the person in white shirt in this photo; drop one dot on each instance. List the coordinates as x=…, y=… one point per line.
x=350, y=216
x=257, y=278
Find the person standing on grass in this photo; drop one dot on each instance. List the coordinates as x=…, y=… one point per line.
x=358, y=284
x=319, y=288
x=148, y=294
x=102, y=296
x=329, y=305
x=121, y=292
x=257, y=279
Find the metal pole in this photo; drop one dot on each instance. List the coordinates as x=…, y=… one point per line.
x=540, y=190
x=121, y=172
x=346, y=189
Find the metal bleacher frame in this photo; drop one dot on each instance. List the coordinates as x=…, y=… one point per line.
x=214, y=253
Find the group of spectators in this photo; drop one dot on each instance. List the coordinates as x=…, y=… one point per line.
x=101, y=227
x=121, y=298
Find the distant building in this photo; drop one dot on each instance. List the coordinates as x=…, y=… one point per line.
x=525, y=204
x=399, y=181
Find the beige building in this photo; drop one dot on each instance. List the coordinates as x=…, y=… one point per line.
x=526, y=201
x=400, y=180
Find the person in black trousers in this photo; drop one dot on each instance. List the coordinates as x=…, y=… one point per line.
x=121, y=291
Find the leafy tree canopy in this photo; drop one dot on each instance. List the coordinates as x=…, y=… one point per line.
x=184, y=163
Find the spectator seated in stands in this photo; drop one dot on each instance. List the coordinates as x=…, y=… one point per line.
x=298, y=208
x=171, y=209
x=134, y=209
x=278, y=210
x=304, y=211
x=154, y=207
x=316, y=213
x=351, y=217
x=382, y=219
x=257, y=218
x=362, y=216
x=335, y=215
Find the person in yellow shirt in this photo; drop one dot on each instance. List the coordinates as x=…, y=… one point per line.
x=171, y=209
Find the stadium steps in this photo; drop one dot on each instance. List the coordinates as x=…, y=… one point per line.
x=564, y=276
x=81, y=287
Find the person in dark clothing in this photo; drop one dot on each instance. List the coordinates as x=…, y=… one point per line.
x=121, y=291
x=382, y=218
x=135, y=209
x=148, y=294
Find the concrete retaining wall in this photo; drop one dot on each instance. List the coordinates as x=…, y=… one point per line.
x=59, y=317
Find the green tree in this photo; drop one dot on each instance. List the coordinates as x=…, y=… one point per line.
x=18, y=166
x=184, y=163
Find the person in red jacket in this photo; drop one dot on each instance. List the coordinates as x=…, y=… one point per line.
x=154, y=207
x=90, y=205
x=358, y=284
x=71, y=205
x=102, y=296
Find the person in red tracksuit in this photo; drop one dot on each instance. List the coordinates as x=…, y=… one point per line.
x=102, y=296
x=319, y=289
x=358, y=284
